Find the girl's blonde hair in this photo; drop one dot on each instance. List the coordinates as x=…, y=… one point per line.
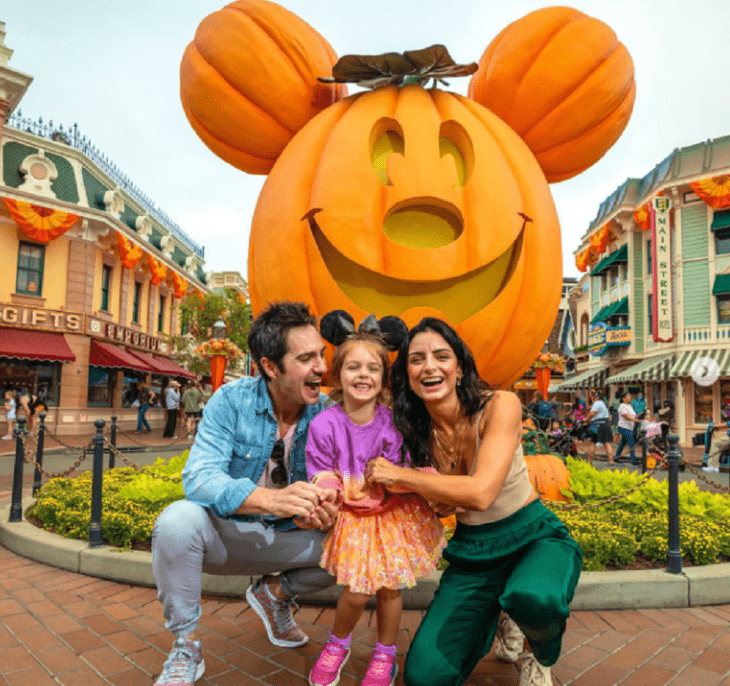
x=373, y=343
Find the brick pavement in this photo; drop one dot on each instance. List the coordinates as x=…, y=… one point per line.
x=57, y=627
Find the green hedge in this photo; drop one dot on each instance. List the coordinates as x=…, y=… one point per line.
x=615, y=535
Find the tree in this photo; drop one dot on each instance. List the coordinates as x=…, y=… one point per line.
x=198, y=312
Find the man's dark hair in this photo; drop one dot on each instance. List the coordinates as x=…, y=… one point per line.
x=269, y=331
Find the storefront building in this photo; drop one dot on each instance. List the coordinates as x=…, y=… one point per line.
x=92, y=274
x=655, y=297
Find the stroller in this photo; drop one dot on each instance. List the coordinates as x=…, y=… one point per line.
x=562, y=442
x=657, y=445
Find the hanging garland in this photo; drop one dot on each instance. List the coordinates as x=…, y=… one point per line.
x=129, y=253
x=158, y=270
x=641, y=216
x=179, y=284
x=714, y=191
x=41, y=224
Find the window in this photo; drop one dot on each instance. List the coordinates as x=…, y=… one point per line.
x=106, y=279
x=722, y=241
x=29, y=279
x=135, y=303
x=703, y=404
x=161, y=313
x=648, y=257
x=614, y=276
x=650, y=314
x=101, y=387
x=723, y=309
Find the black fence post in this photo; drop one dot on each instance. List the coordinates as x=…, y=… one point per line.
x=16, y=505
x=113, y=441
x=674, y=555
x=95, y=538
x=38, y=474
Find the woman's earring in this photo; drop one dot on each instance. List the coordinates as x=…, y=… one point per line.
x=458, y=381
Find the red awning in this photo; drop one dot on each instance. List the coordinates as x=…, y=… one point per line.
x=34, y=345
x=113, y=357
x=161, y=365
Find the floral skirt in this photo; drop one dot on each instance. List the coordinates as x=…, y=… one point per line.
x=390, y=549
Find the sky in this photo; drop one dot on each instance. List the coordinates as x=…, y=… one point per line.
x=113, y=69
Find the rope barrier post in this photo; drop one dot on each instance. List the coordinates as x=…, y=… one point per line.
x=95, y=539
x=16, y=506
x=38, y=474
x=643, y=454
x=674, y=555
x=113, y=441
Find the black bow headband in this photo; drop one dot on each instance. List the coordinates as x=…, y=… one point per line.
x=337, y=325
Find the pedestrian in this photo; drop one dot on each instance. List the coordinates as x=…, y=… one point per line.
x=599, y=429
x=401, y=533
x=191, y=401
x=627, y=421
x=508, y=552
x=540, y=410
x=639, y=405
x=145, y=397
x=248, y=509
x=10, y=413
x=172, y=402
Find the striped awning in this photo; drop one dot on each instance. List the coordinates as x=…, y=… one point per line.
x=652, y=369
x=592, y=378
x=685, y=361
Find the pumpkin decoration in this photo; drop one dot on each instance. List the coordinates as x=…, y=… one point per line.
x=563, y=82
x=548, y=475
x=248, y=81
x=421, y=202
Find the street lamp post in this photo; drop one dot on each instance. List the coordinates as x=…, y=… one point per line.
x=218, y=362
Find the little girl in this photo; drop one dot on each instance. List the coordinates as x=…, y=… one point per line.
x=381, y=542
x=9, y=413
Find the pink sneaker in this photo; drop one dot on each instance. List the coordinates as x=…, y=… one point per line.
x=326, y=671
x=382, y=670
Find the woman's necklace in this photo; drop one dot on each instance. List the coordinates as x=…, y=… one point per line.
x=451, y=458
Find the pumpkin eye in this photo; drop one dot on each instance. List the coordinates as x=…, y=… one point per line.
x=455, y=141
x=386, y=138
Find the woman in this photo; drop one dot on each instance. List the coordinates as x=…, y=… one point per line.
x=508, y=551
x=540, y=410
x=145, y=397
x=627, y=420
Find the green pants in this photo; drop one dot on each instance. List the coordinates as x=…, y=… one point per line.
x=527, y=565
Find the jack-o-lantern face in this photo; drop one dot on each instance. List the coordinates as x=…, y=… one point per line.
x=409, y=201
x=427, y=203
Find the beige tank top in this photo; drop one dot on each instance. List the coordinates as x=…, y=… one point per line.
x=515, y=493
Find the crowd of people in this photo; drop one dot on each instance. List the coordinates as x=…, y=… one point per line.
x=21, y=402
x=183, y=406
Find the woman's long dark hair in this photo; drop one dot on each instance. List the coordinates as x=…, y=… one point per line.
x=410, y=415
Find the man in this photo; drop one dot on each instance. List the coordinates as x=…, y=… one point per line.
x=600, y=429
x=639, y=405
x=248, y=508
x=172, y=402
x=720, y=443
x=191, y=400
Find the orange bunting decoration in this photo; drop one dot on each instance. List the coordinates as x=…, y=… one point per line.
x=129, y=253
x=179, y=284
x=158, y=270
x=41, y=224
x=602, y=238
x=586, y=258
x=715, y=191
x=641, y=216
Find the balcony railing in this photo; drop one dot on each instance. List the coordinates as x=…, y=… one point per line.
x=72, y=136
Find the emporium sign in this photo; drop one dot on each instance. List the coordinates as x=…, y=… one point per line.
x=662, y=308
x=125, y=336
x=601, y=337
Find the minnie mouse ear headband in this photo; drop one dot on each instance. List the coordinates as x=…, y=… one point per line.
x=337, y=325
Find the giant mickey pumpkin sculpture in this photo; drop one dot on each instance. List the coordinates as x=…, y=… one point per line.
x=412, y=201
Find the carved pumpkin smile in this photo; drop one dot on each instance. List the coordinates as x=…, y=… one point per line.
x=457, y=298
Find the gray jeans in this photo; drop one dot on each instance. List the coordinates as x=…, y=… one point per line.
x=188, y=540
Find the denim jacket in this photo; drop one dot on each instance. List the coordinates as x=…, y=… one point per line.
x=233, y=445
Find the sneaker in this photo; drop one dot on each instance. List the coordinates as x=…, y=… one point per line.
x=509, y=641
x=138, y=432
x=184, y=664
x=7, y=437
x=189, y=436
x=714, y=470
x=532, y=673
x=382, y=670
x=276, y=615
x=326, y=671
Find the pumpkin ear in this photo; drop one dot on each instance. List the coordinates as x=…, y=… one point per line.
x=248, y=81
x=563, y=82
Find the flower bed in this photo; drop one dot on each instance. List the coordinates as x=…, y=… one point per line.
x=628, y=534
